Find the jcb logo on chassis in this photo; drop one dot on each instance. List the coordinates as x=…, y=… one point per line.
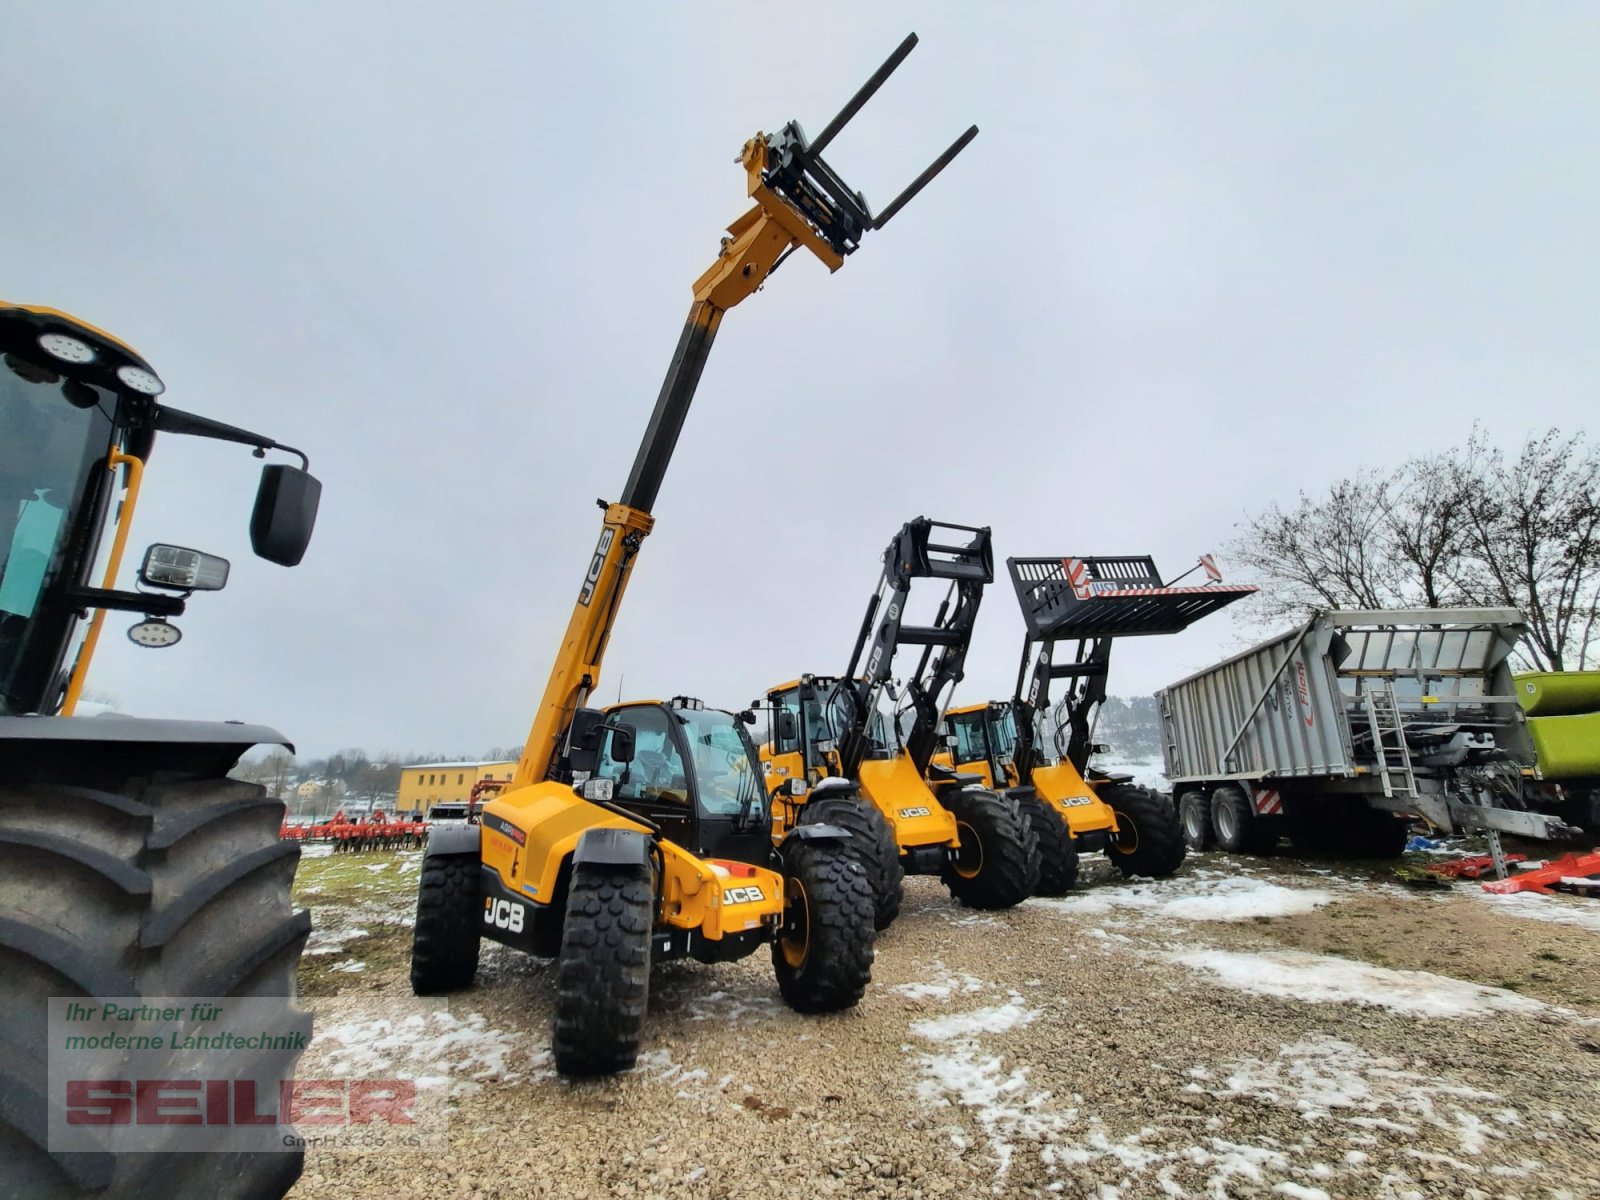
x=586, y=592
x=743, y=895
x=915, y=812
x=503, y=914
x=1077, y=801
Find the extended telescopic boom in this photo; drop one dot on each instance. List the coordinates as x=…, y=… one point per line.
x=798, y=201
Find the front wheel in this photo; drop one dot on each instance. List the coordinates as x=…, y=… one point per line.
x=997, y=863
x=1058, y=856
x=823, y=952
x=603, y=971
x=1149, y=840
x=444, y=943
x=874, y=846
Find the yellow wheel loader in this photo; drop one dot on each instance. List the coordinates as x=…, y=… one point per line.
x=1005, y=743
x=131, y=866
x=640, y=833
x=834, y=758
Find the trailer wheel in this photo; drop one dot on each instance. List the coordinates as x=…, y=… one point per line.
x=1238, y=829
x=132, y=877
x=872, y=843
x=823, y=953
x=444, y=943
x=1058, y=855
x=1377, y=834
x=1148, y=839
x=603, y=971
x=997, y=865
x=1194, y=813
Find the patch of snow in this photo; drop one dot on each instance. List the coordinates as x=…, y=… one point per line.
x=983, y=1020
x=350, y=966
x=326, y=939
x=429, y=1048
x=377, y=866
x=1321, y=979
x=316, y=849
x=1146, y=772
x=725, y=1006
x=1194, y=898
x=942, y=986
x=1557, y=910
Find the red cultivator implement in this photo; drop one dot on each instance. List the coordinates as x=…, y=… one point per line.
x=377, y=832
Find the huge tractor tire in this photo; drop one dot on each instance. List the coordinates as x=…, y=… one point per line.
x=120, y=877
x=603, y=970
x=1148, y=840
x=1194, y=814
x=1058, y=854
x=997, y=865
x=823, y=953
x=874, y=846
x=1239, y=830
x=444, y=943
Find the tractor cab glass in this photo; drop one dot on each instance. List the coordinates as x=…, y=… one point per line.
x=55, y=434
x=1002, y=729
x=971, y=744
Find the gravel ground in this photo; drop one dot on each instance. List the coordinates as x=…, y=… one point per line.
x=1249, y=1028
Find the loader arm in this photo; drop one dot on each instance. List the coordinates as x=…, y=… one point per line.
x=798, y=200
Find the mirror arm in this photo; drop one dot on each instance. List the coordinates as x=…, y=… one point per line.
x=150, y=604
x=175, y=420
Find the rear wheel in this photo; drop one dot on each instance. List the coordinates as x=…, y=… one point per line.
x=1239, y=830
x=1148, y=839
x=1378, y=834
x=603, y=971
x=123, y=875
x=872, y=843
x=444, y=944
x=1058, y=856
x=997, y=864
x=1194, y=814
x=823, y=953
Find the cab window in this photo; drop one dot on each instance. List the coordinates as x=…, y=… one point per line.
x=656, y=772
x=970, y=744
x=786, y=702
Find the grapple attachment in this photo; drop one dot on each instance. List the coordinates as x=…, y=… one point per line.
x=1112, y=597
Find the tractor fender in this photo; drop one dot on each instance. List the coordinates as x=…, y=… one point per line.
x=815, y=833
x=452, y=839
x=613, y=848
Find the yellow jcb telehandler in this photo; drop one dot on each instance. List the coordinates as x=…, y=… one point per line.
x=131, y=866
x=833, y=757
x=640, y=832
x=1005, y=743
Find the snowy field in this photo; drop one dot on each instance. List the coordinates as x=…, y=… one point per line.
x=1271, y=1027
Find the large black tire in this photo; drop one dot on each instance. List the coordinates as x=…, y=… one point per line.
x=1058, y=854
x=1238, y=829
x=873, y=844
x=1378, y=834
x=122, y=877
x=603, y=970
x=823, y=953
x=1194, y=814
x=998, y=863
x=444, y=943
x=1148, y=840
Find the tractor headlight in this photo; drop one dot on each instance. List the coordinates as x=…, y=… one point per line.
x=67, y=349
x=140, y=380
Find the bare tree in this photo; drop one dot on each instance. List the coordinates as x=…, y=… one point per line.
x=1468, y=527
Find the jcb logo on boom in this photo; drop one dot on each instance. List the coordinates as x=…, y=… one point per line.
x=503, y=914
x=743, y=895
x=915, y=812
x=586, y=592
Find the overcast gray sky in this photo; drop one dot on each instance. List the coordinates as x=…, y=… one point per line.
x=1201, y=255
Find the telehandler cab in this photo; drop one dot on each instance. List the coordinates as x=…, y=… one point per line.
x=640, y=832
x=834, y=758
x=1094, y=600
x=130, y=864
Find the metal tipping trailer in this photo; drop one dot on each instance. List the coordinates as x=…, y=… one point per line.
x=1330, y=733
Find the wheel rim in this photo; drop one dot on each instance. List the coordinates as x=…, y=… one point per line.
x=1125, y=839
x=794, y=942
x=1226, y=829
x=968, y=859
x=1191, y=821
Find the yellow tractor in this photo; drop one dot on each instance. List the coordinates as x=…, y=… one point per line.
x=131, y=866
x=1005, y=744
x=639, y=833
x=834, y=758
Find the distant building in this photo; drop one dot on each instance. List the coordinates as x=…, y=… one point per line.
x=310, y=789
x=422, y=785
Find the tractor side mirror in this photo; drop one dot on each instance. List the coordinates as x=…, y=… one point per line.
x=622, y=743
x=285, y=513
x=786, y=725
x=951, y=741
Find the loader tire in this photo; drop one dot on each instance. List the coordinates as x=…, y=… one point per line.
x=1194, y=814
x=603, y=970
x=823, y=953
x=119, y=878
x=1239, y=830
x=1058, y=854
x=1149, y=840
x=997, y=865
x=444, y=943
x=874, y=846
